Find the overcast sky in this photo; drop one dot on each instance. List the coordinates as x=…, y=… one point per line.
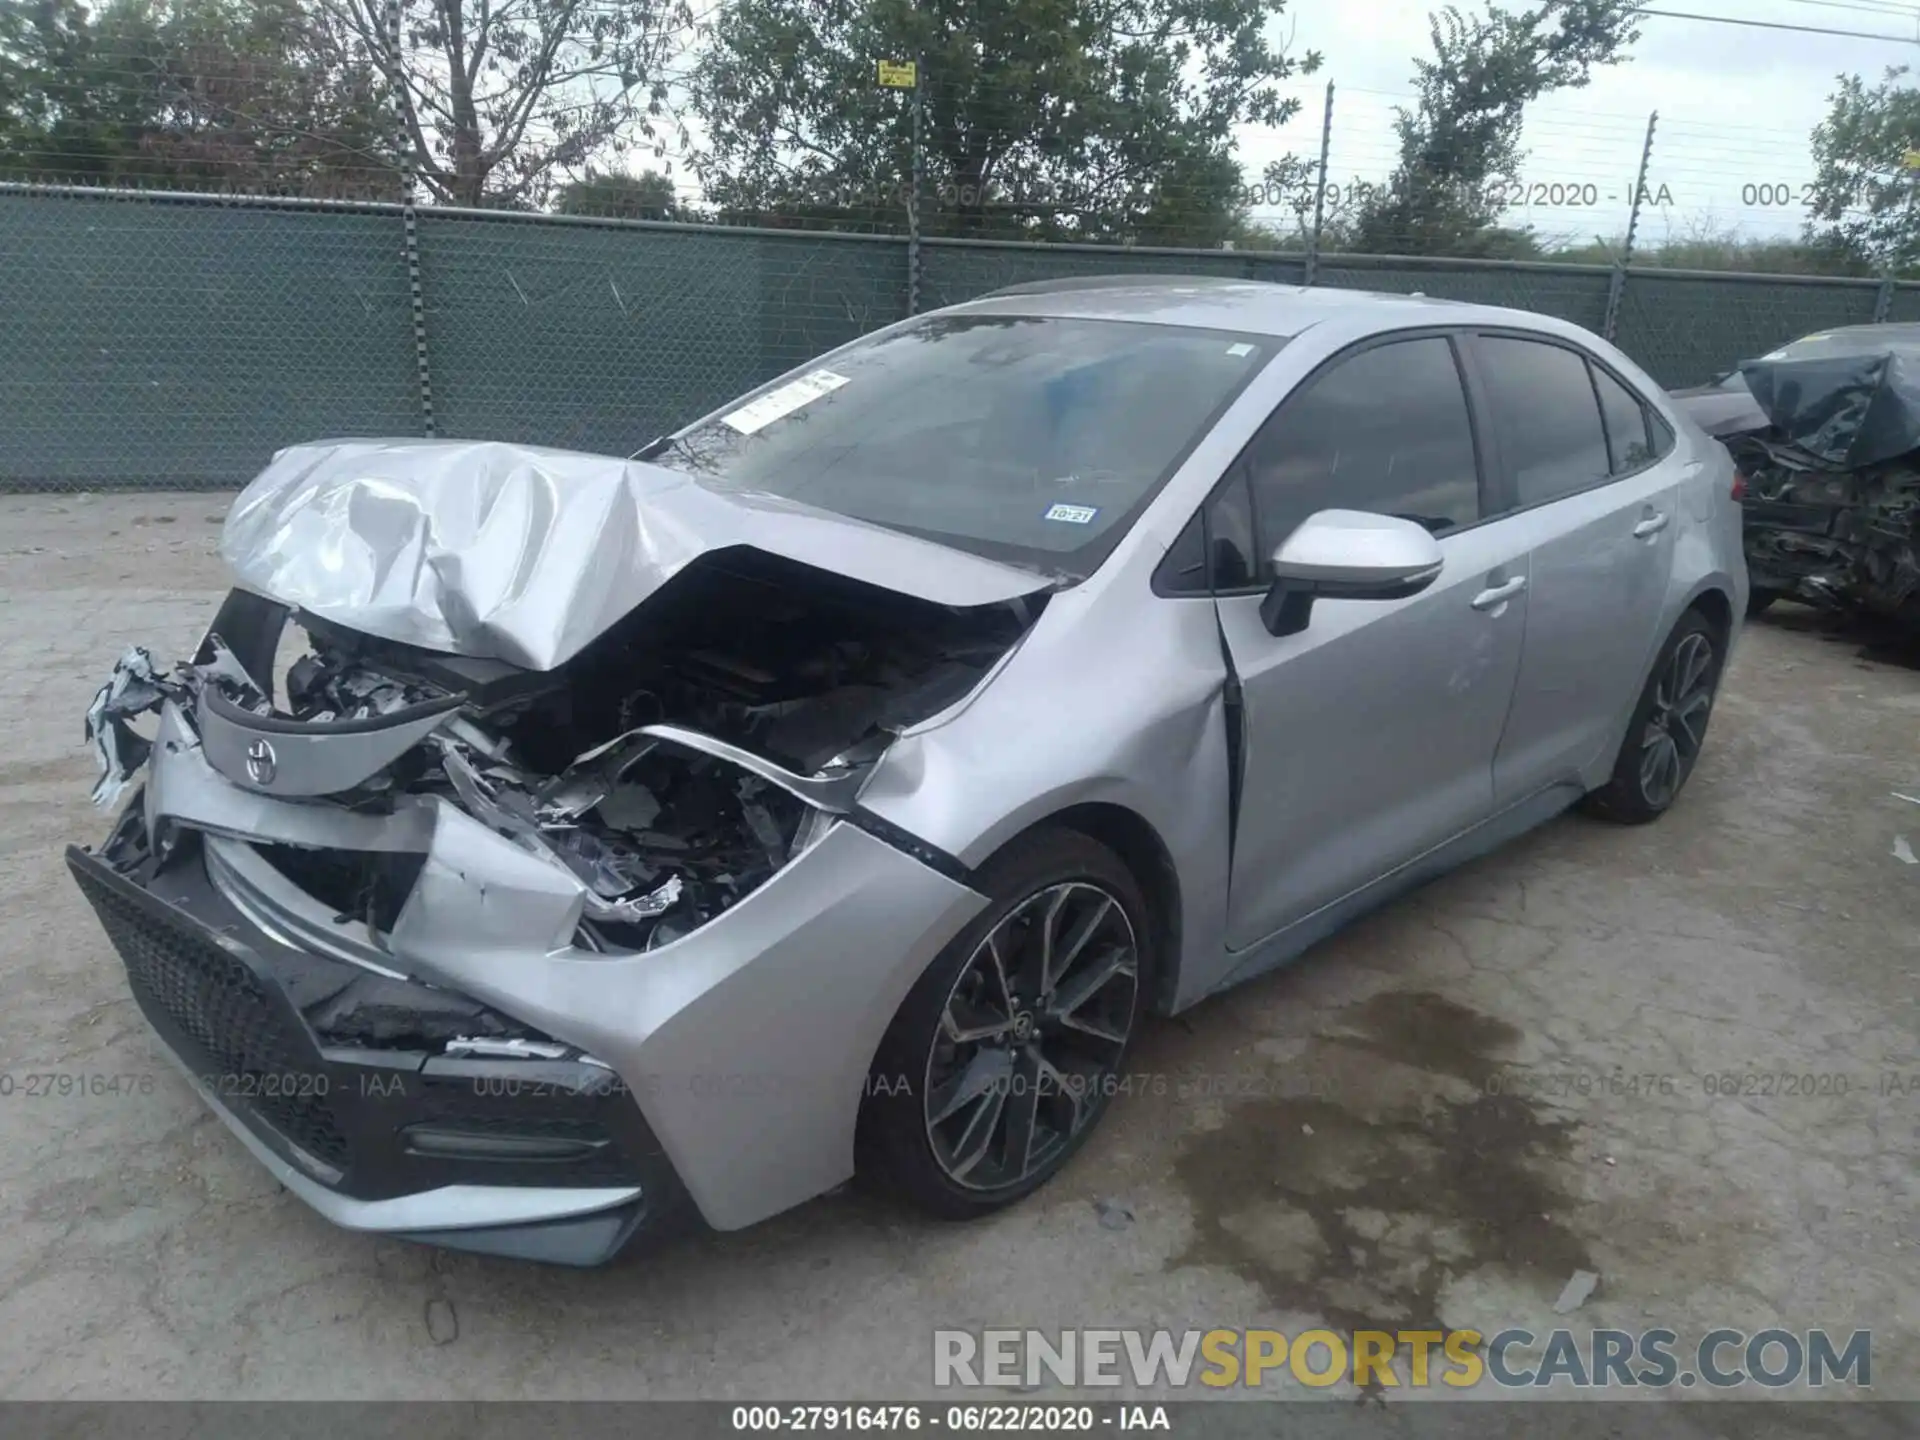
x=1736, y=106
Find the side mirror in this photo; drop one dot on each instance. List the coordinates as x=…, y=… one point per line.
x=1347, y=555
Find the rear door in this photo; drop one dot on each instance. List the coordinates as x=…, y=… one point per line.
x=1589, y=478
x=1370, y=735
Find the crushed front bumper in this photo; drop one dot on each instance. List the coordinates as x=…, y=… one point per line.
x=545, y=1160
x=716, y=1079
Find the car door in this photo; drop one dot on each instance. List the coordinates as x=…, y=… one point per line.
x=1585, y=475
x=1369, y=736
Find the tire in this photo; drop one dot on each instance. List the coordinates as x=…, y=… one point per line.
x=1759, y=600
x=1668, y=728
x=947, y=1102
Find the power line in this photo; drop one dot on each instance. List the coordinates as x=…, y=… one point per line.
x=1780, y=25
x=1864, y=7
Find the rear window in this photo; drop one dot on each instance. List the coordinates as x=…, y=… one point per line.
x=1626, y=420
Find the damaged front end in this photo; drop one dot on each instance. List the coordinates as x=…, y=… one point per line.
x=669, y=769
x=1826, y=432
x=349, y=850
x=1835, y=539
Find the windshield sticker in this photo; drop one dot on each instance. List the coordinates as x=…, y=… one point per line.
x=1240, y=349
x=1073, y=514
x=758, y=414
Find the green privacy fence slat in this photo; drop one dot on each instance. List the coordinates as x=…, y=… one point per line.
x=163, y=345
x=599, y=337
x=957, y=270
x=177, y=341
x=1576, y=295
x=1906, y=303
x=1685, y=329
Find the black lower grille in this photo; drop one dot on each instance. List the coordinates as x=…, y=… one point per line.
x=464, y=1105
x=243, y=1046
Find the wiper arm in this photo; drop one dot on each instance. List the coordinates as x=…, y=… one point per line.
x=653, y=449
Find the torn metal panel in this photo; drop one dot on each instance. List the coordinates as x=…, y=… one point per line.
x=833, y=793
x=475, y=894
x=528, y=554
x=1849, y=397
x=134, y=688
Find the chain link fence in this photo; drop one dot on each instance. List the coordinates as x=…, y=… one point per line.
x=177, y=340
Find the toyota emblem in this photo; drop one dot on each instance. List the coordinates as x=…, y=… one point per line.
x=260, y=763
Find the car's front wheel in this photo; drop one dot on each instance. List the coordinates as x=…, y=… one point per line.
x=1005, y=1053
x=1668, y=728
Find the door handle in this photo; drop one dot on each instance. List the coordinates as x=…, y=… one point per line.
x=1487, y=599
x=1650, y=526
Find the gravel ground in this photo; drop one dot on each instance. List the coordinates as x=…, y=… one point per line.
x=1437, y=1116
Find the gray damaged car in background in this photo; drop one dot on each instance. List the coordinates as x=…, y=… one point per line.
x=543, y=848
x=1827, y=432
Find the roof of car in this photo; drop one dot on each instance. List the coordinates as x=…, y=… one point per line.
x=1248, y=306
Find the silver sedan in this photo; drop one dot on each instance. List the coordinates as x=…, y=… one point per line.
x=545, y=848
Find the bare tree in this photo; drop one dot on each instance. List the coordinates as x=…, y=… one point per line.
x=497, y=96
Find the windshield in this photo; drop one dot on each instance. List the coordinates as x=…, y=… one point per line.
x=1023, y=438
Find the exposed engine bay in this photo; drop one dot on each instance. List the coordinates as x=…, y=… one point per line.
x=672, y=766
x=1839, y=539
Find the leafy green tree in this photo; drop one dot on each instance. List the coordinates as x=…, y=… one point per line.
x=1702, y=245
x=1043, y=119
x=248, y=95
x=647, y=196
x=1864, y=193
x=1463, y=133
x=497, y=98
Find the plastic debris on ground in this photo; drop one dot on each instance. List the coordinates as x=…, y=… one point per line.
x=1580, y=1285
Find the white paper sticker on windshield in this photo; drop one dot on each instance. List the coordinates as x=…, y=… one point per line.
x=1240, y=349
x=1073, y=514
x=758, y=414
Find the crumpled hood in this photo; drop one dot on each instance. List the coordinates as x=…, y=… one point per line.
x=527, y=554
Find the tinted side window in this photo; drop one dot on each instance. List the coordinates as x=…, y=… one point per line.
x=1546, y=415
x=1626, y=423
x=1385, y=431
x=1663, y=438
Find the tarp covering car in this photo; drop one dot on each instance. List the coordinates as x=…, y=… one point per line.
x=1849, y=397
x=1827, y=432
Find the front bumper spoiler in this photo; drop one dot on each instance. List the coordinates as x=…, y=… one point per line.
x=567, y=1227
x=341, y=1126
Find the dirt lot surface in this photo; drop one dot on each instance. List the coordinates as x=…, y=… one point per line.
x=1683, y=1057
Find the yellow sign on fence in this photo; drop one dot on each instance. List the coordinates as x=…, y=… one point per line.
x=898, y=74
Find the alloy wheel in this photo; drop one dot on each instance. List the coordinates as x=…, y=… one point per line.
x=1032, y=1031
x=1677, y=726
